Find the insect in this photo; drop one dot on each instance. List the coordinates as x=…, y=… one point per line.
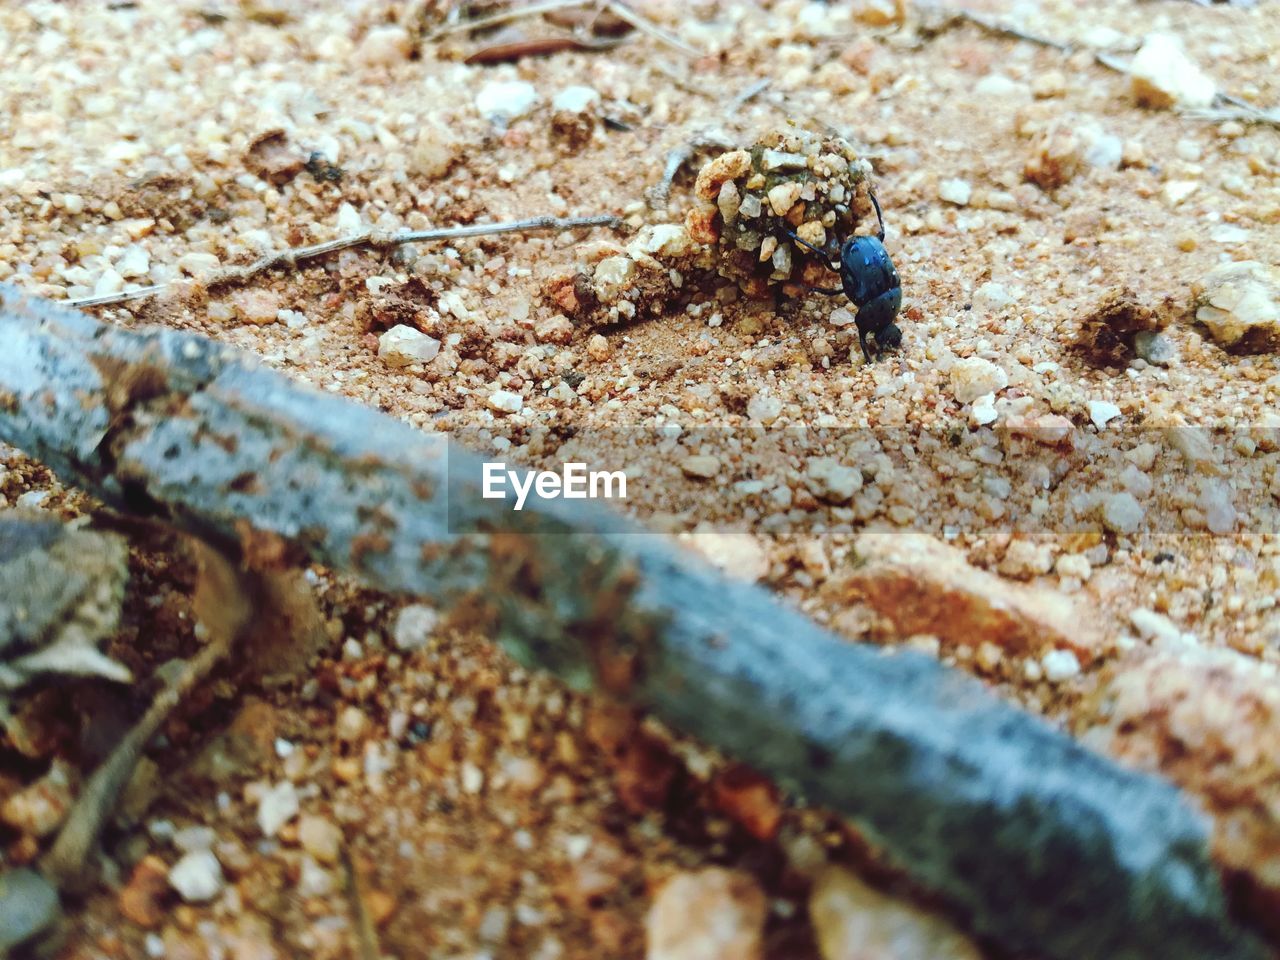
x=869, y=279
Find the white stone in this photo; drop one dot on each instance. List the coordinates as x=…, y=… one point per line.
x=973, y=377
x=784, y=196
x=504, y=401
x=196, y=264
x=997, y=86
x=197, y=877
x=700, y=466
x=413, y=626
x=577, y=99
x=1229, y=233
x=992, y=296
x=135, y=262
x=110, y=282
x=1235, y=300
x=1155, y=348
x=854, y=921
x=434, y=151
x=505, y=100
x=611, y=275
x=1102, y=412
x=665, y=239
x=313, y=879
x=738, y=554
x=1074, y=565
x=956, y=191
x=402, y=345
x=1215, y=503
x=1122, y=513
x=385, y=46
x=841, y=317
x=983, y=411
x=1154, y=626
x=1104, y=151
x=277, y=806
x=829, y=479
x=1164, y=76
x=1060, y=665
x=764, y=407
x=1175, y=191
x=349, y=221
x=1102, y=37
x=781, y=160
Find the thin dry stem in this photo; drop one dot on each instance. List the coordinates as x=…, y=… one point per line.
x=507, y=16
x=617, y=8
x=623, y=12
x=377, y=239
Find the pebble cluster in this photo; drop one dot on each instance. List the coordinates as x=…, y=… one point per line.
x=752, y=204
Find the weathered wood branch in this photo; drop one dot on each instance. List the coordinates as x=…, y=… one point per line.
x=1046, y=847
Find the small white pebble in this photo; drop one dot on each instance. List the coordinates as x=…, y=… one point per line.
x=276, y=807
x=955, y=191
x=403, y=345
x=110, y=282
x=1060, y=665
x=1122, y=513
x=506, y=100
x=576, y=99
x=504, y=401
x=349, y=220
x=197, y=877
x=413, y=626
x=1102, y=412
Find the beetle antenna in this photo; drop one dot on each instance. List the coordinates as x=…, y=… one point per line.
x=822, y=253
x=879, y=216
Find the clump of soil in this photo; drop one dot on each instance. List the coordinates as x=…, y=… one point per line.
x=1109, y=331
x=769, y=209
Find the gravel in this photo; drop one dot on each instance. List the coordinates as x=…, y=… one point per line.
x=411, y=146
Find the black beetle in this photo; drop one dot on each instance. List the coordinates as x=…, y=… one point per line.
x=869, y=279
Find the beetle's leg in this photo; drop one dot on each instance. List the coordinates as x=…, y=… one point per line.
x=862, y=339
x=834, y=268
x=879, y=216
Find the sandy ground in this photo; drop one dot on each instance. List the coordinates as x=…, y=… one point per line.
x=455, y=806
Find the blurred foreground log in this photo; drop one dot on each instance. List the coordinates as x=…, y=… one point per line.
x=1045, y=847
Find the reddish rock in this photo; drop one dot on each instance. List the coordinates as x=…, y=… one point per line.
x=142, y=900
x=923, y=586
x=749, y=799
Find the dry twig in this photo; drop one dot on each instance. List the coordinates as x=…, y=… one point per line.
x=615, y=7
x=377, y=239
x=535, y=47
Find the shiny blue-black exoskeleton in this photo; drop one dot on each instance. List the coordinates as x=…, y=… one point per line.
x=869, y=279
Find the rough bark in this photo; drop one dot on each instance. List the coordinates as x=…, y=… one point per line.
x=1046, y=847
